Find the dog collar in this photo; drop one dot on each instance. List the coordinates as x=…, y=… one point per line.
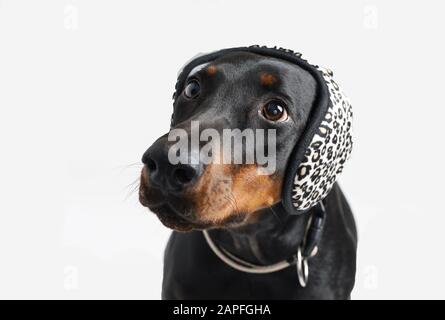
x=306, y=250
x=318, y=157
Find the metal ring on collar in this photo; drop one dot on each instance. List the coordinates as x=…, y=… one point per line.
x=302, y=268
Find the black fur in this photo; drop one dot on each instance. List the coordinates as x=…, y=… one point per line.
x=191, y=269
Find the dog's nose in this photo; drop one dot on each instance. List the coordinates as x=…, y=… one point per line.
x=162, y=174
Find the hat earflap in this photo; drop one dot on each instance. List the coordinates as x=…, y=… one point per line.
x=330, y=147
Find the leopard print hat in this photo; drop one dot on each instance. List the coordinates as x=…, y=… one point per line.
x=319, y=156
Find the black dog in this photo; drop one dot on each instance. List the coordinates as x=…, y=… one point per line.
x=244, y=90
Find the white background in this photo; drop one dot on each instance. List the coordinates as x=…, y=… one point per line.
x=86, y=86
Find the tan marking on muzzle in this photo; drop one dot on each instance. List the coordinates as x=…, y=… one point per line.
x=225, y=191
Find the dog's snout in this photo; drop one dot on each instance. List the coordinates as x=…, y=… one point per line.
x=165, y=175
x=185, y=174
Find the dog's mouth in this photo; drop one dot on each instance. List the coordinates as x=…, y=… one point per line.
x=162, y=205
x=181, y=217
x=173, y=219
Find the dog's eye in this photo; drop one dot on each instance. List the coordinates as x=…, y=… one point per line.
x=192, y=89
x=275, y=111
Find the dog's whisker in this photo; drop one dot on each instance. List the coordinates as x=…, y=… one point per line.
x=133, y=187
x=133, y=183
x=134, y=165
x=233, y=202
x=236, y=203
x=230, y=200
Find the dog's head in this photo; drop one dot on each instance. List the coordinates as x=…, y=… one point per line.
x=225, y=98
